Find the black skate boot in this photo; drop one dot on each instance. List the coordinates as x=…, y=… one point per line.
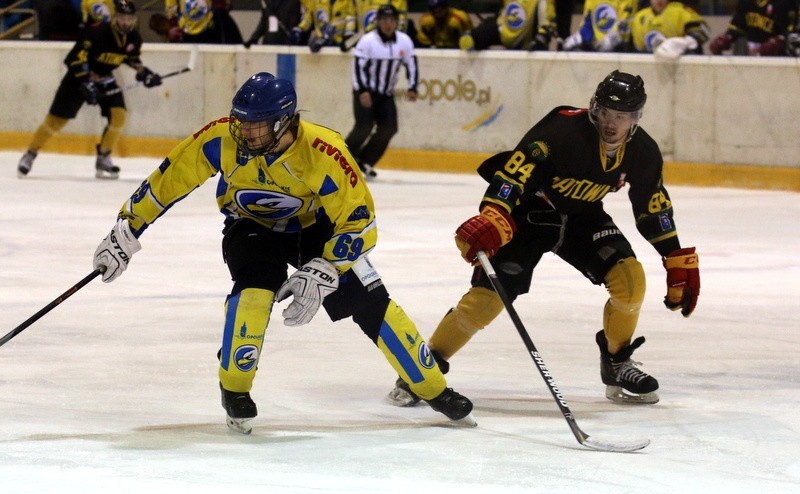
x=25, y=163
x=240, y=410
x=625, y=383
x=104, y=167
x=456, y=407
x=402, y=396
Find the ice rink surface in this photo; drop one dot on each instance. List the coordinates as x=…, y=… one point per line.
x=116, y=388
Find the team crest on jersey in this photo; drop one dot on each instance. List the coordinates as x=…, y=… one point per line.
x=245, y=357
x=268, y=205
x=515, y=15
x=425, y=357
x=604, y=17
x=195, y=9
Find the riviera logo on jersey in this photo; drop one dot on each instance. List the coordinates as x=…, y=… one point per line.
x=268, y=205
x=246, y=357
x=338, y=157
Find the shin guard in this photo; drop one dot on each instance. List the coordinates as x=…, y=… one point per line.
x=408, y=354
x=246, y=318
x=477, y=308
x=626, y=286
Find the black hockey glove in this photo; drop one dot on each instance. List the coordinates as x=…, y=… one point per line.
x=148, y=77
x=90, y=92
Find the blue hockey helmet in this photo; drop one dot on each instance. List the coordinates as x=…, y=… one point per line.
x=267, y=100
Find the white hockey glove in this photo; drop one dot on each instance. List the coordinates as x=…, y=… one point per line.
x=672, y=48
x=573, y=42
x=115, y=251
x=309, y=285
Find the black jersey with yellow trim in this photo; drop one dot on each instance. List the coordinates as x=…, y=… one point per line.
x=560, y=162
x=101, y=49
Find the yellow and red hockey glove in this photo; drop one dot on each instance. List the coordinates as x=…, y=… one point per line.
x=488, y=231
x=683, y=280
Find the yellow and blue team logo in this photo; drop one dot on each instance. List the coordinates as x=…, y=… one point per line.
x=514, y=15
x=604, y=17
x=268, y=205
x=245, y=357
x=369, y=20
x=195, y=9
x=425, y=357
x=321, y=17
x=100, y=12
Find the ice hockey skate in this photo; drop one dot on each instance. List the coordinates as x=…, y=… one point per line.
x=455, y=406
x=368, y=171
x=239, y=409
x=401, y=395
x=104, y=167
x=25, y=163
x=625, y=383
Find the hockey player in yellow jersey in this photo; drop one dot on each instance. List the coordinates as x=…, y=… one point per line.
x=367, y=13
x=96, y=11
x=442, y=26
x=520, y=25
x=604, y=26
x=668, y=30
x=291, y=194
x=328, y=23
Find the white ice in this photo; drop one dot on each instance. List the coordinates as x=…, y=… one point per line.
x=116, y=388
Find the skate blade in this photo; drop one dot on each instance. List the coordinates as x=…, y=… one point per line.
x=242, y=426
x=468, y=421
x=104, y=175
x=619, y=395
x=401, y=398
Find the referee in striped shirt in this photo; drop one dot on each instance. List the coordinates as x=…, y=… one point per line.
x=379, y=55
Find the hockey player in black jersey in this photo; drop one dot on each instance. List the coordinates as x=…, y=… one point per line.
x=546, y=195
x=102, y=47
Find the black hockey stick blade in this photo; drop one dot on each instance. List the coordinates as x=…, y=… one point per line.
x=47, y=308
x=583, y=438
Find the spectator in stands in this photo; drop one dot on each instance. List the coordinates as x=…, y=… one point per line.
x=278, y=17
x=517, y=27
x=442, y=26
x=668, y=30
x=604, y=26
x=758, y=27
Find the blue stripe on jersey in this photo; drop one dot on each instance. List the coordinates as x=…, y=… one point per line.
x=400, y=353
x=213, y=152
x=287, y=67
x=222, y=186
x=328, y=186
x=227, y=333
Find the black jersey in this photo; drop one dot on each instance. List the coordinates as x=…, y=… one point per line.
x=102, y=49
x=759, y=20
x=559, y=164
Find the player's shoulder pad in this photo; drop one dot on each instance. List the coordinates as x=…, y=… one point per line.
x=487, y=169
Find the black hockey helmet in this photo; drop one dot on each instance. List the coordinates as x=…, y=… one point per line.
x=620, y=91
x=388, y=10
x=124, y=7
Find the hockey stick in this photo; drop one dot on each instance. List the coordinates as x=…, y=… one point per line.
x=189, y=67
x=47, y=308
x=582, y=437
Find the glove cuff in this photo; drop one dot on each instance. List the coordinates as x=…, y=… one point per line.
x=681, y=258
x=501, y=220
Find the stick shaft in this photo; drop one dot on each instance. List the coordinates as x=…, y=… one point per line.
x=47, y=308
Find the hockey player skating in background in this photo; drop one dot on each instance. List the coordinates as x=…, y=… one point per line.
x=761, y=25
x=546, y=196
x=101, y=48
x=291, y=194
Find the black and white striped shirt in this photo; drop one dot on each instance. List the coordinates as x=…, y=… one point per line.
x=377, y=62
